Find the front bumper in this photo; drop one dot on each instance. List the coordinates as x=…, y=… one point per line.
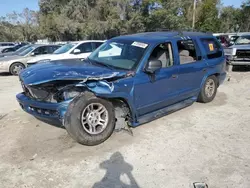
x=43, y=110
x=238, y=61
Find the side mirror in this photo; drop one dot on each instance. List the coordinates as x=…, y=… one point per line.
x=153, y=66
x=33, y=54
x=76, y=51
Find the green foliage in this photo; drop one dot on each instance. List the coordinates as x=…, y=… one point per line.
x=102, y=19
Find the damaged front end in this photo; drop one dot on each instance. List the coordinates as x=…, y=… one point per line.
x=50, y=99
x=53, y=92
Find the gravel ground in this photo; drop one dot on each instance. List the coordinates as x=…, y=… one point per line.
x=202, y=143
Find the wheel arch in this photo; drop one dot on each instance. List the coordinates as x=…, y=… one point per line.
x=216, y=74
x=14, y=63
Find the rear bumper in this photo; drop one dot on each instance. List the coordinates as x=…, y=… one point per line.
x=43, y=110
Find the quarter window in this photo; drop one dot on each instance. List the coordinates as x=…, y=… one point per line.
x=212, y=48
x=164, y=53
x=187, y=51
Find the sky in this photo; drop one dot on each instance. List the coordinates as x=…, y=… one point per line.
x=8, y=6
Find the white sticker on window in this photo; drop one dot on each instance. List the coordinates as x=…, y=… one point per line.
x=140, y=44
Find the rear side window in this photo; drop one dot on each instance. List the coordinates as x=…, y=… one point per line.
x=188, y=51
x=212, y=48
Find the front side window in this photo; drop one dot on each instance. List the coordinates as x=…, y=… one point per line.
x=187, y=51
x=51, y=49
x=41, y=50
x=212, y=48
x=96, y=44
x=85, y=47
x=164, y=53
x=123, y=54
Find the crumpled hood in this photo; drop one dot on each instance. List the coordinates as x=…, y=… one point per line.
x=11, y=58
x=66, y=70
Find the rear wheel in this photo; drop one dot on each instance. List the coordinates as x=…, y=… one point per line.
x=16, y=68
x=90, y=120
x=209, y=90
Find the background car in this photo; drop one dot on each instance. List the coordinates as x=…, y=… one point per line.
x=239, y=53
x=13, y=49
x=74, y=50
x=15, y=52
x=14, y=64
x=4, y=45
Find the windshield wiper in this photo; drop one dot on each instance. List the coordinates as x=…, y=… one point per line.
x=100, y=63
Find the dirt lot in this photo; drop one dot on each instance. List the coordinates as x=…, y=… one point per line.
x=202, y=143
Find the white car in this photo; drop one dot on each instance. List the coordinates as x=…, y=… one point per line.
x=73, y=50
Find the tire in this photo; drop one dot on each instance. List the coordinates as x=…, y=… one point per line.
x=81, y=132
x=205, y=96
x=16, y=68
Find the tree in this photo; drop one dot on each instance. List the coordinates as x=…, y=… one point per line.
x=208, y=16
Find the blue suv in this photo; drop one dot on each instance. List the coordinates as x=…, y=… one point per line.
x=127, y=81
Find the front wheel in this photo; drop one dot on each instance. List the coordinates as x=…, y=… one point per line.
x=16, y=68
x=90, y=120
x=208, y=90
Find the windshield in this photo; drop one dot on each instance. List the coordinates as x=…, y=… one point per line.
x=22, y=49
x=64, y=48
x=119, y=54
x=26, y=51
x=243, y=40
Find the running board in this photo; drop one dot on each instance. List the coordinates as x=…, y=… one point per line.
x=165, y=111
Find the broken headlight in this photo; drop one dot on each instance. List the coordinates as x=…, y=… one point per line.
x=70, y=94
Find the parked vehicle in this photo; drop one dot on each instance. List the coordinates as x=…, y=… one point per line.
x=224, y=40
x=128, y=80
x=74, y=50
x=239, y=53
x=14, y=48
x=16, y=52
x=4, y=45
x=15, y=64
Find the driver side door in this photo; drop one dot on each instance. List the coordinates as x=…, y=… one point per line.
x=156, y=91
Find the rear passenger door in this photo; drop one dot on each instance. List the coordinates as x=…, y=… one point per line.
x=192, y=67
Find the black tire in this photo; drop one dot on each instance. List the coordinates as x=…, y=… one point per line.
x=73, y=125
x=205, y=98
x=14, y=66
